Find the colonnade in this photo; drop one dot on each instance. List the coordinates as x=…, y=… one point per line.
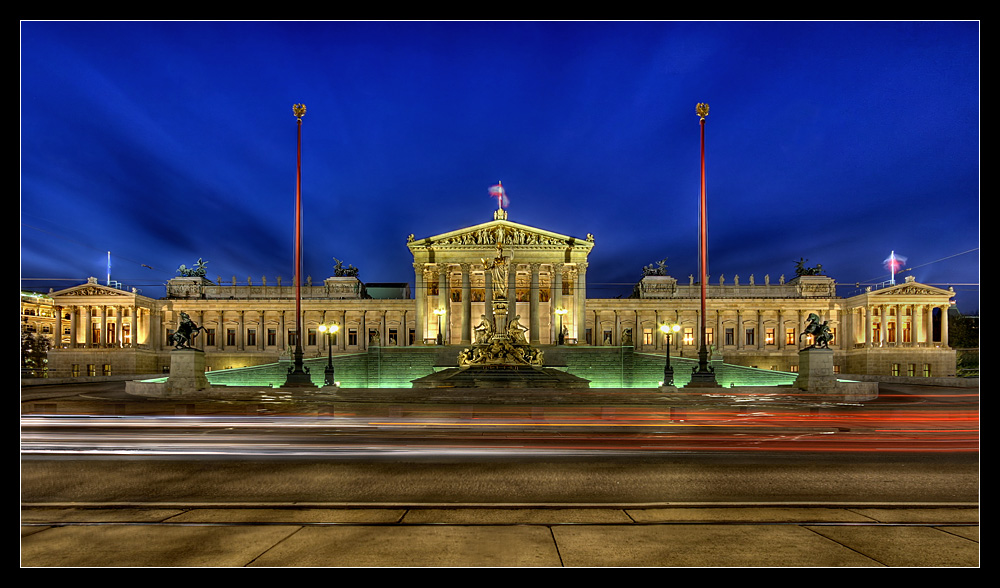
x=436, y=282
x=751, y=329
x=898, y=324
x=103, y=325
x=232, y=330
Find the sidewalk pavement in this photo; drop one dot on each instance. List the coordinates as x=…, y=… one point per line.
x=317, y=536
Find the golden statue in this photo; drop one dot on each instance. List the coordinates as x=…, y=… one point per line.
x=500, y=268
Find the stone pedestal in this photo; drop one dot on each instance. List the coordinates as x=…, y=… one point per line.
x=816, y=370
x=816, y=377
x=187, y=372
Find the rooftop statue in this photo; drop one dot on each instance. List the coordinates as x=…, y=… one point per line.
x=339, y=270
x=198, y=271
x=659, y=270
x=802, y=270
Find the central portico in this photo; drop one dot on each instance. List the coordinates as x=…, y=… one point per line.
x=546, y=284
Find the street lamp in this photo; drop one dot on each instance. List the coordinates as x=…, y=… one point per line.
x=440, y=337
x=561, y=312
x=328, y=379
x=668, y=372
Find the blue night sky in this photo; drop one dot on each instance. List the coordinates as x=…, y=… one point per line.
x=165, y=142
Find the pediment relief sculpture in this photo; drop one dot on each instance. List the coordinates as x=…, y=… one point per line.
x=92, y=288
x=499, y=234
x=911, y=290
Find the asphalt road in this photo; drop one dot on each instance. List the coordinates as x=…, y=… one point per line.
x=227, y=497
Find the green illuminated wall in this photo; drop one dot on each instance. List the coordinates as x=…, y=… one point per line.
x=397, y=367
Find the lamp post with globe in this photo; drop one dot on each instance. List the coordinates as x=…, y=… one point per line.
x=328, y=375
x=668, y=372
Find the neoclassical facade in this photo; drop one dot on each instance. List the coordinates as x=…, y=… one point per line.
x=900, y=330
x=547, y=280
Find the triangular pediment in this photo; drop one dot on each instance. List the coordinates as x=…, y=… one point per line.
x=503, y=232
x=90, y=289
x=911, y=289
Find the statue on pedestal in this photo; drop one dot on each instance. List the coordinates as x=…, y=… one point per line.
x=484, y=330
x=821, y=333
x=185, y=333
x=500, y=266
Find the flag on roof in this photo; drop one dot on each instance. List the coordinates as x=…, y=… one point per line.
x=500, y=194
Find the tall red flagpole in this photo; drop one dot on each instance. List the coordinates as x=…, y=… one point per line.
x=297, y=374
x=704, y=375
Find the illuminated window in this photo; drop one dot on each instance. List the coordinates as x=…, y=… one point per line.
x=911, y=370
x=769, y=336
x=927, y=370
x=106, y=369
x=647, y=336
x=688, y=336
x=895, y=369
x=789, y=336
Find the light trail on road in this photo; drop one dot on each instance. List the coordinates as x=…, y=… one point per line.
x=566, y=430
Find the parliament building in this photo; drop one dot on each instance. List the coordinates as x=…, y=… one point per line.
x=897, y=330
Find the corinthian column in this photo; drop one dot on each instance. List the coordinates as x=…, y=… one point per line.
x=535, y=323
x=466, y=304
x=420, y=294
x=580, y=293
